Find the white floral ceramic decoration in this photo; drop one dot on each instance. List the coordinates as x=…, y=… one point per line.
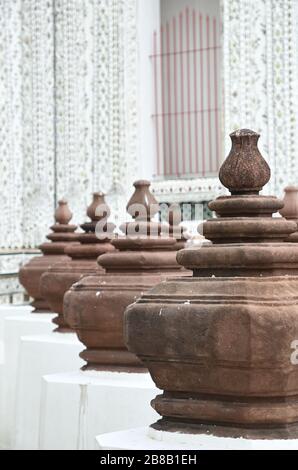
x=69, y=114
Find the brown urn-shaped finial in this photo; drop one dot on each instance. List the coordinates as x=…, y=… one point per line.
x=245, y=170
x=53, y=252
x=92, y=210
x=144, y=198
x=63, y=215
x=290, y=210
x=81, y=259
x=220, y=344
x=94, y=307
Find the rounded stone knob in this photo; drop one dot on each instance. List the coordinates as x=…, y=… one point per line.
x=290, y=209
x=98, y=200
x=63, y=215
x=244, y=171
x=143, y=197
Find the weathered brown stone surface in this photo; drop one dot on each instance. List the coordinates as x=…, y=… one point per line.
x=290, y=210
x=63, y=234
x=219, y=344
x=94, y=307
x=238, y=173
x=80, y=262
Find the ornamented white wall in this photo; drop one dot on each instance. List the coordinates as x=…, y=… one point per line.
x=26, y=121
x=11, y=129
x=260, y=79
x=96, y=99
x=38, y=144
x=69, y=104
x=68, y=109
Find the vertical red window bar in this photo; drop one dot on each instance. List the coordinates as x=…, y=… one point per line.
x=216, y=112
x=182, y=112
x=195, y=66
x=202, y=95
x=177, y=166
x=189, y=112
x=209, y=110
x=156, y=100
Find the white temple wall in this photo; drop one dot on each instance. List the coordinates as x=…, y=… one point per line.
x=76, y=102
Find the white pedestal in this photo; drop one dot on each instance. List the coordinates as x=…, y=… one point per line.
x=6, y=311
x=40, y=355
x=149, y=439
x=78, y=406
x=2, y=408
x=14, y=326
x=9, y=311
x=1, y=353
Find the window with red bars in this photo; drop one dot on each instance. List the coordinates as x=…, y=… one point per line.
x=187, y=95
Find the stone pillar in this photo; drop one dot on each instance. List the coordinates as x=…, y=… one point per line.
x=220, y=344
x=53, y=252
x=94, y=307
x=80, y=260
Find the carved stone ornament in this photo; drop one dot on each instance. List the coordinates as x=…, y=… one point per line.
x=94, y=307
x=62, y=235
x=220, y=344
x=290, y=210
x=80, y=261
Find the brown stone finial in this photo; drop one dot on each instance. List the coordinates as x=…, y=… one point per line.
x=62, y=235
x=143, y=197
x=81, y=259
x=94, y=306
x=245, y=170
x=220, y=344
x=245, y=216
x=290, y=209
x=95, y=215
x=63, y=215
x=98, y=200
x=143, y=232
